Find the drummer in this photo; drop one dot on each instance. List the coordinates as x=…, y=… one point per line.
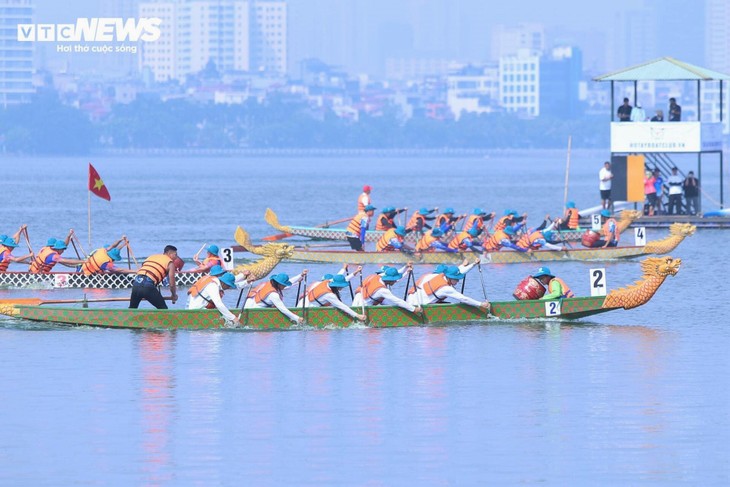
x=556, y=287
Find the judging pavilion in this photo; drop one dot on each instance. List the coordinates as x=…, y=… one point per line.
x=636, y=144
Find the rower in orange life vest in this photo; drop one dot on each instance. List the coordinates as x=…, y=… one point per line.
x=431, y=242
x=556, y=287
x=7, y=244
x=500, y=239
x=49, y=256
x=210, y=260
x=207, y=292
x=270, y=295
x=439, y=270
x=571, y=219
x=418, y=221
x=441, y=287
x=386, y=220
x=154, y=269
x=364, y=199
x=510, y=219
x=327, y=293
x=477, y=220
x=102, y=260
x=446, y=221
x=393, y=240
x=609, y=230
x=358, y=226
x=467, y=240
x=536, y=240
x=376, y=290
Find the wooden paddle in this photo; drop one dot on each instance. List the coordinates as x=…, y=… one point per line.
x=7, y=306
x=280, y=236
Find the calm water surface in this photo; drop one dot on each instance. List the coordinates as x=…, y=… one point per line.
x=627, y=398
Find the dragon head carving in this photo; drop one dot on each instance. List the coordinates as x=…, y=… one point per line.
x=630, y=215
x=682, y=229
x=660, y=266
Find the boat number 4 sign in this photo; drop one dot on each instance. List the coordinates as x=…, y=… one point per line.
x=639, y=236
x=598, y=282
x=227, y=258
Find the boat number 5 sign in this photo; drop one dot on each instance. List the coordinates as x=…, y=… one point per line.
x=640, y=236
x=596, y=222
x=227, y=258
x=552, y=308
x=598, y=282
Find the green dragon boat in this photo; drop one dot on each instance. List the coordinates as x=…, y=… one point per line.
x=655, y=270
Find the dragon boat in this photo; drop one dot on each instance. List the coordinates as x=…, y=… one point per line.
x=677, y=233
x=272, y=255
x=626, y=218
x=654, y=270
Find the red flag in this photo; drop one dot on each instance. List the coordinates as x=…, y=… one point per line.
x=96, y=185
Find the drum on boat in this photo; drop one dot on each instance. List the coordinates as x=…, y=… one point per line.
x=529, y=288
x=589, y=238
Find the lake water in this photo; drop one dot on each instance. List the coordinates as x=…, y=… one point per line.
x=626, y=398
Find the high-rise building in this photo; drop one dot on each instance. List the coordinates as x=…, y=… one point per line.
x=634, y=38
x=160, y=58
x=16, y=58
x=717, y=35
x=268, y=36
x=519, y=83
x=508, y=40
x=125, y=9
x=560, y=76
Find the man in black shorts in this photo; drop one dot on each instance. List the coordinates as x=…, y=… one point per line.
x=150, y=275
x=604, y=185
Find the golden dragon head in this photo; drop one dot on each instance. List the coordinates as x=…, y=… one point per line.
x=630, y=215
x=682, y=229
x=660, y=266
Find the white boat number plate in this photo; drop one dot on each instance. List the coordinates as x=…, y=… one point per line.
x=227, y=258
x=552, y=308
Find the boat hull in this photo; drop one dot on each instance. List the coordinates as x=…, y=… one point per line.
x=63, y=280
x=272, y=319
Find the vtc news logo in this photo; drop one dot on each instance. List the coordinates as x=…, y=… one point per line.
x=93, y=30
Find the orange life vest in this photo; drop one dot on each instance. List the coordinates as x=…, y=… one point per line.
x=4, y=258
x=383, y=244
x=370, y=285
x=362, y=201
x=355, y=226
x=424, y=243
x=502, y=223
x=155, y=267
x=317, y=290
x=211, y=261
x=456, y=242
x=416, y=222
x=573, y=218
x=469, y=223
x=493, y=243
x=198, y=287
x=97, y=259
x=384, y=223
x=262, y=291
x=567, y=293
x=435, y=284
x=527, y=241
x=608, y=234
x=419, y=282
x=441, y=221
x=39, y=266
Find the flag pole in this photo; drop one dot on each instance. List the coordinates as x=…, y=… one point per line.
x=89, y=214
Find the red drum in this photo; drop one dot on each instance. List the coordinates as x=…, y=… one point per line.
x=589, y=238
x=529, y=288
x=178, y=263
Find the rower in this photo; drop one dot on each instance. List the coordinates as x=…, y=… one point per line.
x=358, y=226
x=556, y=287
x=440, y=269
x=392, y=240
x=571, y=219
x=7, y=244
x=327, y=293
x=376, y=290
x=364, y=199
x=536, y=240
x=48, y=257
x=419, y=220
x=386, y=220
x=466, y=241
x=101, y=261
x=441, y=287
x=210, y=260
x=431, y=242
x=446, y=221
x=270, y=294
x=510, y=219
x=150, y=275
x=477, y=220
x=501, y=238
x=207, y=292
x=611, y=234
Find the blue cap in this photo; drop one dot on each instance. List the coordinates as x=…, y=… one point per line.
x=50, y=242
x=339, y=281
x=115, y=255
x=282, y=279
x=3, y=237
x=327, y=277
x=606, y=213
x=400, y=230
x=228, y=279
x=452, y=272
x=424, y=211
x=570, y=204
x=217, y=270
x=370, y=208
x=436, y=232
x=391, y=275
x=509, y=230
x=9, y=242
x=479, y=211
x=543, y=271
x=59, y=245
x=213, y=249
x=548, y=234
x=440, y=269
x=448, y=211
x=384, y=269
x=473, y=232
x=389, y=209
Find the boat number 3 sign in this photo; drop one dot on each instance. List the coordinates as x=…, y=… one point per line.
x=596, y=222
x=552, y=308
x=227, y=258
x=639, y=236
x=598, y=282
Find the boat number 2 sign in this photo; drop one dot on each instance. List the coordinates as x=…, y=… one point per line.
x=552, y=308
x=598, y=282
x=227, y=258
x=640, y=236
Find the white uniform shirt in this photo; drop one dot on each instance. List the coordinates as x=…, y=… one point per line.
x=388, y=299
x=604, y=173
x=274, y=301
x=675, y=184
x=211, y=292
x=332, y=300
x=420, y=297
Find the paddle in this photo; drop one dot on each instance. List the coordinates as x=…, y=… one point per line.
x=75, y=241
x=408, y=281
x=299, y=288
x=562, y=237
x=420, y=302
x=27, y=239
x=243, y=306
x=481, y=277
x=197, y=254
x=362, y=297
x=304, y=308
x=280, y=236
x=352, y=295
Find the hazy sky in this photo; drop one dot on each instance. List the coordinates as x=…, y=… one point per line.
x=360, y=34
